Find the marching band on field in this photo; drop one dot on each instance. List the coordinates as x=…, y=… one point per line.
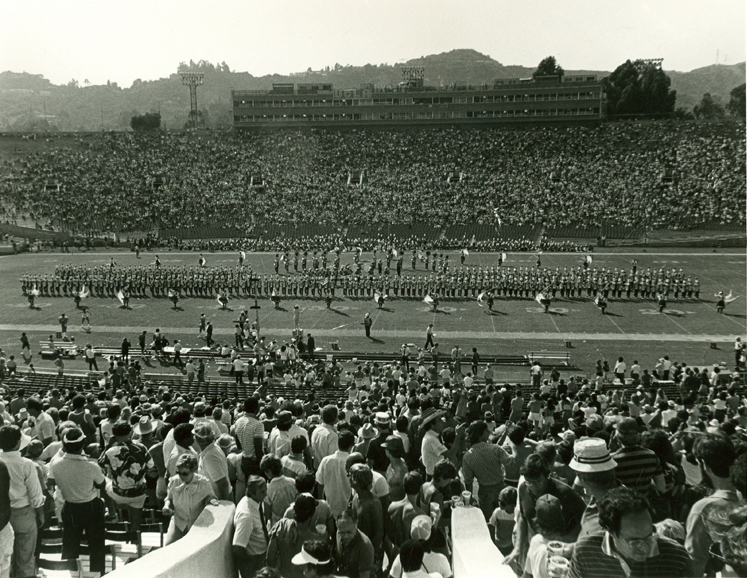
x=383, y=275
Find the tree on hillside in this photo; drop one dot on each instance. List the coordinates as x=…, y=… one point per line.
x=146, y=122
x=548, y=67
x=737, y=103
x=638, y=88
x=708, y=109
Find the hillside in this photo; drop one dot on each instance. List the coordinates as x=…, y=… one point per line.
x=718, y=79
x=31, y=102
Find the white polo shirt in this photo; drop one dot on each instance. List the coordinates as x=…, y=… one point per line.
x=75, y=476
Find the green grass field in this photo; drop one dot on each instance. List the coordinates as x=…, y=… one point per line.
x=632, y=328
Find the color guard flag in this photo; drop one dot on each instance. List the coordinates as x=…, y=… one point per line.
x=596, y=300
x=84, y=292
x=171, y=293
x=503, y=257
x=35, y=292
x=274, y=294
x=202, y=261
x=428, y=299
x=243, y=255
x=120, y=296
x=465, y=252
x=394, y=252
x=378, y=296
x=730, y=298
x=588, y=259
x=540, y=298
x=219, y=299
x=480, y=299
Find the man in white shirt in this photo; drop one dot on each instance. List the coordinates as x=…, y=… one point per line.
x=44, y=427
x=212, y=463
x=26, y=500
x=324, y=437
x=332, y=477
x=431, y=449
x=238, y=370
x=250, y=537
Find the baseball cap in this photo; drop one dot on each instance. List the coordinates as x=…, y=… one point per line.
x=549, y=512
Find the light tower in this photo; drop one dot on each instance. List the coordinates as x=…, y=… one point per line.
x=193, y=80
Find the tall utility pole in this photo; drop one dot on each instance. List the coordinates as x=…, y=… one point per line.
x=193, y=80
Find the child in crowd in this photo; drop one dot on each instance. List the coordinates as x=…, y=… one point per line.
x=503, y=520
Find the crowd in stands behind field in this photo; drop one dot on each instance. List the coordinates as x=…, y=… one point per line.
x=632, y=473
x=528, y=176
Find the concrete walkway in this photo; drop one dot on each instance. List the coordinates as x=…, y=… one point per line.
x=404, y=334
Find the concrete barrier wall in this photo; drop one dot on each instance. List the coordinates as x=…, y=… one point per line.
x=204, y=552
x=475, y=554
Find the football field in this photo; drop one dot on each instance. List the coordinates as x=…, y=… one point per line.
x=632, y=328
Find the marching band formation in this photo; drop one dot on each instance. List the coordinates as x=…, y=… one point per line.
x=312, y=276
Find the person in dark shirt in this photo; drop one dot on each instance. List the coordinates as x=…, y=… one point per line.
x=537, y=482
x=354, y=553
x=629, y=547
x=6, y=530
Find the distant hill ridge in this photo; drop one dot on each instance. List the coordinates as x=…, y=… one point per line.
x=70, y=107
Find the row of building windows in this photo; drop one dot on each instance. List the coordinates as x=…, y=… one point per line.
x=279, y=103
x=416, y=115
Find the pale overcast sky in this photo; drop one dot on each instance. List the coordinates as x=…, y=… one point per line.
x=121, y=41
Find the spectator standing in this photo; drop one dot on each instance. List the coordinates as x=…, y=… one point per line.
x=629, y=545
x=6, y=528
x=354, y=553
x=279, y=442
x=251, y=537
x=432, y=450
x=250, y=437
x=44, y=426
x=281, y=490
x=595, y=472
x=537, y=482
x=187, y=495
x=212, y=461
x=324, y=436
x=715, y=453
x=288, y=535
x=80, y=480
x=637, y=468
x=484, y=462
x=26, y=500
x=127, y=463
x=401, y=513
x=332, y=477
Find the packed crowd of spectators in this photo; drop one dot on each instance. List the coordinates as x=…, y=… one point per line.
x=627, y=473
x=539, y=175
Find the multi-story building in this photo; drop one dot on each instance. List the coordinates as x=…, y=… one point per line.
x=544, y=99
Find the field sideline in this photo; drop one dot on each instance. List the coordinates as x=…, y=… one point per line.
x=632, y=328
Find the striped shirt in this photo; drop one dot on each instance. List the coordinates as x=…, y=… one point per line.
x=249, y=428
x=594, y=556
x=636, y=467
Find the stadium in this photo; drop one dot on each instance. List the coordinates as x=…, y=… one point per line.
x=378, y=328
